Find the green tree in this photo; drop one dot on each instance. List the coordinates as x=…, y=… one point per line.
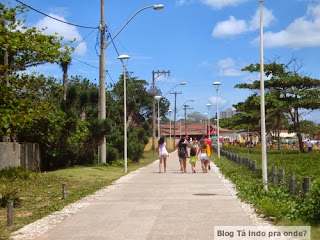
x=292, y=93
x=309, y=127
x=24, y=47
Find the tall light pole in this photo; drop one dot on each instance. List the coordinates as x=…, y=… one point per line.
x=262, y=107
x=170, y=111
x=205, y=123
x=124, y=58
x=102, y=82
x=185, y=112
x=180, y=125
x=217, y=84
x=154, y=92
x=185, y=118
x=158, y=100
x=153, y=108
x=174, y=117
x=208, y=107
x=102, y=70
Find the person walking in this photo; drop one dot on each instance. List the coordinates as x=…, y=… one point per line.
x=309, y=145
x=183, y=154
x=193, y=159
x=203, y=155
x=162, y=154
x=209, y=143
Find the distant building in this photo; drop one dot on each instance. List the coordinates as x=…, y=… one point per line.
x=229, y=113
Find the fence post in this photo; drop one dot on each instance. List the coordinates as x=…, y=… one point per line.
x=254, y=166
x=274, y=175
x=9, y=212
x=292, y=182
x=281, y=176
x=306, y=186
x=64, y=191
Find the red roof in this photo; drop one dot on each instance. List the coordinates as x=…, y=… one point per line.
x=194, y=129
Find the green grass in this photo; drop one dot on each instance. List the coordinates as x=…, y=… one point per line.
x=278, y=204
x=41, y=193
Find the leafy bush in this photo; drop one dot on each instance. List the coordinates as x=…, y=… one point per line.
x=9, y=192
x=14, y=173
x=111, y=153
x=310, y=209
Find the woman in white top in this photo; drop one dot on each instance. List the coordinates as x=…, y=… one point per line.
x=162, y=154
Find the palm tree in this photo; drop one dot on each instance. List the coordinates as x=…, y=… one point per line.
x=64, y=63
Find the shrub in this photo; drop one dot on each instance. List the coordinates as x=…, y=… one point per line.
x=310, y=208
x=14, y=173
x=8, y=192
x=111, y=153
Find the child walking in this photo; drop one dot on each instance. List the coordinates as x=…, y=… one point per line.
x=193, y=159
x=203, y=155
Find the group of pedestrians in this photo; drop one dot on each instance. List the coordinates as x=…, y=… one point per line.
x=192, y=150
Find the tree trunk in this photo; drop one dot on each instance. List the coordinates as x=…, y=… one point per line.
x=65, y=80
x=278, y=126
x=6, y=63
x=296, y=123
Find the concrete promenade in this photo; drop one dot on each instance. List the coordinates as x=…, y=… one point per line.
x=150, y=205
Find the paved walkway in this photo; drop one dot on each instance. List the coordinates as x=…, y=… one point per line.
x=150, y=205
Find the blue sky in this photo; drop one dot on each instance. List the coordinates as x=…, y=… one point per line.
x=199, y=41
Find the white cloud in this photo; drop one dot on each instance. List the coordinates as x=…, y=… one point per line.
x=218, y=4
x=233, y=26
x=68, y=32
x=221, y=101
x=230, y=28
x=302, y=32
x=184, y=2
x=228, y=68
x=206, y=64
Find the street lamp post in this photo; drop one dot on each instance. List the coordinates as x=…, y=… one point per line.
x=158, y=100
x=102, y=70
x=205, y=123
x=180, y=126
x=170, y=111
x=262, y=107
x=123, y=58
x=154, y=92
x=185, y=112
x=208, y=107
x=217, y=84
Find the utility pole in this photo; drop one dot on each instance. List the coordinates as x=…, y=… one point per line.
x=102, y=82
x=155, y=75
x=185, y=118
x=262, y=107
x=175, y=115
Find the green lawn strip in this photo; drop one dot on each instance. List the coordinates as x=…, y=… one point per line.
x=278, y=204
x=41, y=193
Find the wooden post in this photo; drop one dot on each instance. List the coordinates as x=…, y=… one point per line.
x=64, y=191
x=254, y=166
x=306, y=186
x=292, y=182
x=9, y=212
x=274, y=175
x=281, y=176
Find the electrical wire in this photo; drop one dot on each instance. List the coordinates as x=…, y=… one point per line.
x=76, y=25
x=84, y=38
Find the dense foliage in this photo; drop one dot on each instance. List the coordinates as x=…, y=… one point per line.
x=63, y=118
x=278, y=204
x=288, y=95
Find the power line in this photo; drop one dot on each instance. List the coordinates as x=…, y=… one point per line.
x=86, y=63
x=76, y=25
x=78, y=43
